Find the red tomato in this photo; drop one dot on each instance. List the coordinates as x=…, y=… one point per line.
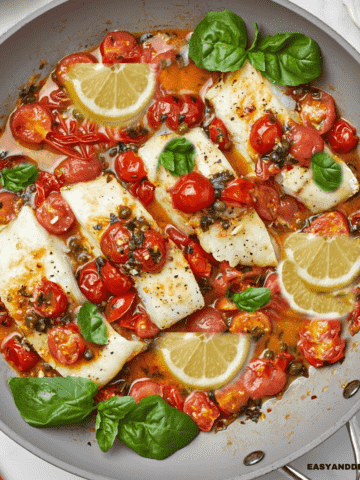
x=267, y=202
x=342, y=137
x=318, y=331
x=66, y=344
x=118, y=306
x=329, y=224
x=91, y=284
x=55, y=214
x=50, y=299
x=5, y=319
x=192, y=110
x=206, y=320
x=116, y=282
x=305, y=142
x=45, y=184
x=353, y=317
x=166, y=109
x=192, y=192
x=265, y=132
x=75, y=170
x=257, y=323
x=219, y=135
x=114, y=243
x=152, y=254
x=21, y=356
x=173, y=397
x=179, y=238
x=144, y=327
x=288, y=209
x=120, y=47
x=232, y=397
x=282, y=360
x=31, y=123
x=261, y=378
x=106, y=393
x=197, y=259
x=265, y=169
x=64, y=66
x=224, y=304
x=10, y=205
x=228, y=274
x=202, y=410
x=144, y=191
x=136, y=134
x=130, y=167
x=145, y=388
x=237, y=193
x=273, y=283
x=318, y=111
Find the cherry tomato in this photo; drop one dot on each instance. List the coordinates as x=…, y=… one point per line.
x=45, y=184
x=144, y=327
x=228, y=274
x=353, y=318
x=166, y=109
x=64, y=66
x=318, y=331
x=329, y=224
x=31, y=123
x=237, y=193
x=91, y=284
x=116, y=282
x=136, y=134
x=10, y=205
x=208, y=320
x=144, y=191
x=152, y=254
x=342, y=137
x=265, y=169
x=305, y=142
x=265, y=132
x=119, y=305
x=120, y=47
x=261, y=378
x=256, y=323
x=66, y=344
x=267, y=202
x=192, y=110
x=50, y=299
x=202, y=410
x=219, y=135
x=106, y=393
x=282, y=360
x=273, y=284
x=130, y=167
x=198, y=261
x=173, y=397
x=145, y=388
x=178, y=237
x=75, y=170
x=114, y=243
x=232, y=397
x=192, y=192
x=288, y=209
x=224, y=304
x=55, y=215
x=21, y=356
x=317, y=110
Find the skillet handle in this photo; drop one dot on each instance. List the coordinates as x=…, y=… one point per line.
x=292, y=474
x=354, y=433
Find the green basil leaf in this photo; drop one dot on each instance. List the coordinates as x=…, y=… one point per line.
x=257, y=59
x=92, y=325
x=256, y=35
x=109, y=414
x=53, y=401
x=219, y=42
x=19, y=177
x=251, y=299
x=328, y=174
x=178, y=156
x=155, y=430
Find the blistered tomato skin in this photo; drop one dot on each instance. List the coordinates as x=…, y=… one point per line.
x=55, y=214
x=144, y=327
x=231, y=398
x=261, y=378
x=91, y=284
x=192, y=192
x=207, y=320
x=219, y=135
x=75, y=170
x=50, y=300
x=202, y=410
x=31, y=123
x=152, y=253
x=330, y=224
x=114, y=243
x=10, y=205
x=66, y=344
x=22, y=357
x=118, y=306
x=115, y=281
x=305, y=142
x=63, y=67
x=256, y=323
x=237, y=193
x=130, y=167
x=45, y=184
x=317, y=111
x=265, y=132
x=267, y=202
x=342, y=137
x=144, y=388
x=120, y=47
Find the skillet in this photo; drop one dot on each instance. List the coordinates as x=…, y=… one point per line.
x=312, y=409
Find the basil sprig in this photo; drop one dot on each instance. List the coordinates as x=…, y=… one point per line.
x=92, y=325
x=178, y=157
x=328, y=174
x=19, y=177
x=219, y=43
x=251, y=299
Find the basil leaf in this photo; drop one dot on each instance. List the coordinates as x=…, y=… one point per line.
x=251, y=299
x=109, y=414
x=257, y=60
x=256, y=35
x=92, y=325
x=155, y=430
x=178, y=156
x=53, y=401
x=219, y=42
x=328, y=174
x=19, y=177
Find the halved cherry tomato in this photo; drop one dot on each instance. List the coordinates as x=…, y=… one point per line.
x=232, y=397
x=166, y=109
x=192, y=110
x=120, y=47
x=329, y=224
x=177, y=236
x=219, y=135
x=152, y=254
x=237, y=193
x=222, y=281
x=198, y=261
x=318, y=331
x=116, y=282
x=55, y=214
x=353, y=318
x=45, y=184
x=75, y=170
x=173, y=397
x=144, y=327
x=119, y=305
x=282, y=360
x=317, y=110
x=91, y=284
x=63, y=67
x=261, y=378
x=130, y=167
x=66, y=344
x=114, y=243
x=144, y=388
x=267, y=202
x=342, y=137
x=21, y=356
x=265, y=132
x=106, y=393
x=224, y=304
x=256, y=323
x=273, y=283
x=288, y=209
x=144, y=191
x=31, y=123
x=208, y=320
x=10, y=205
x=305, y=142
x=265, y=169
x=192, y=192
x=50, y=300
x=202, y=410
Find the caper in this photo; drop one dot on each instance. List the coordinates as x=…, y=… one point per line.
x=29, y=99
x=283, y=347
x=124, y=212
x=113, y=152
x=138, y=238
x=274, y=157
x=316, y=94
x=225, y=223
x=88, y=354
x=82, y=258
x=100, y=262
x=269, y=354
x=41, y=325
x=183, y=128
x=219, y=206
x=31, y=320
x=285, y=145
x=66, y=319
x=217, y=192
x=74, y=244
x=47, y=367
x=79, y=116
x=145, y=37
x=205, y=223
x=295, y=368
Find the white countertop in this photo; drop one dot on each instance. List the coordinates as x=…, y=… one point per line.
x=17, y=463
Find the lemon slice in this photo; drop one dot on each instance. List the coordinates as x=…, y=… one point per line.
x=324, y=263
x=201, y=360
x=305, y=299
x=112, y=94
